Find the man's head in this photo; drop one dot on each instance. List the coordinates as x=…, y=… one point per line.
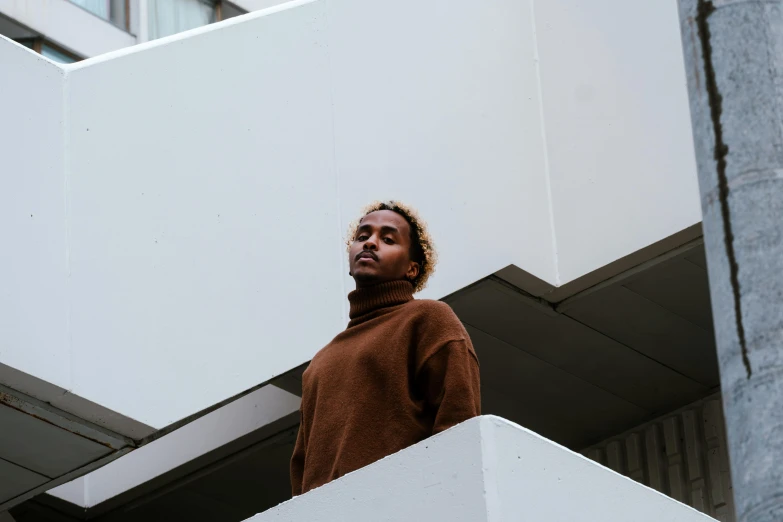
x=390, y=243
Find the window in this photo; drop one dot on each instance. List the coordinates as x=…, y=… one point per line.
x=167, y=17
x=56, y=55
x=114, y=11
x=49, y=50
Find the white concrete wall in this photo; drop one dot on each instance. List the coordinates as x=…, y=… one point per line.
x=503, y=473
x=438, y=479
x=446, y=117
x=34, y=262
x=210, y=176
x=530, y=477
x=203, y=241
x=68, y=25
x=204, y=237
x=621, y=156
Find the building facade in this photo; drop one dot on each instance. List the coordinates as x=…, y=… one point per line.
x=153, y=329
x=67, y=31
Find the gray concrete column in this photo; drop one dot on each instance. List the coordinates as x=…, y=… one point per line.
x=734, y=64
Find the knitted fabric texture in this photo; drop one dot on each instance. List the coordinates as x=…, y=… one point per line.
x=402, y=371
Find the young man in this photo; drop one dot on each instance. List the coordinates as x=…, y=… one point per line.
x=402, y=371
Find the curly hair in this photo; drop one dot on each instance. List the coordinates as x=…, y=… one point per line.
x=422, y=247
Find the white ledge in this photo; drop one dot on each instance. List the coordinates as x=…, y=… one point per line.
x=486, y=469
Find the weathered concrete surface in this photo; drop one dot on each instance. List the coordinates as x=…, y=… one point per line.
x=734, y=65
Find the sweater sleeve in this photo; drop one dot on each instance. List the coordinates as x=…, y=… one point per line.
x=450, y=381
x=297, y=462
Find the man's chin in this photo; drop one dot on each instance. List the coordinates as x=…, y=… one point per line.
x=366, y=278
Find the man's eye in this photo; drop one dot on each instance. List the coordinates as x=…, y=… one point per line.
x=361, y=238
x=388, y=240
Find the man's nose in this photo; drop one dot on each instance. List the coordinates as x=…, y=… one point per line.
x=370, y=244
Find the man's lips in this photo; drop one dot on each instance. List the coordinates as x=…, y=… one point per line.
x=366, y=255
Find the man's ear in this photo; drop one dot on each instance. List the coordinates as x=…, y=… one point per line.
x=413, y=271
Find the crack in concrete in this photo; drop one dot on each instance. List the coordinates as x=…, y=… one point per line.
x=704, y=9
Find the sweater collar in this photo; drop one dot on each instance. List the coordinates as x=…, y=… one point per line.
x=369, y=299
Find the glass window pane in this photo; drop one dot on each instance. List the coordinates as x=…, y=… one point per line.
x=55, y=55
x=96, y=7
x=167, y=17
x=118, y=14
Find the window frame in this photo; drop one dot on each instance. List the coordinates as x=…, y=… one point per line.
x=37, y=43
x=218, y=11
x=126, y=8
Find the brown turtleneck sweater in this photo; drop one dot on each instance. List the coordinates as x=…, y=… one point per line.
x=403, y=370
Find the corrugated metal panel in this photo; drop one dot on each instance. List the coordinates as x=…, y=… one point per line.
x=683, y=455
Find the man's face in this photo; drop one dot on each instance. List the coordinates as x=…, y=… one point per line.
x=381, y=250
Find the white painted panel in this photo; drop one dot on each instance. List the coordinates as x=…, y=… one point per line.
x=618, y=128
x=68, y=25
x=484, y=469
x=33, y=304
x=73, y=492
x=436, y=104
x=212, y=175
x=179, y=447
x=438, y=479
x=205, y=236
x=204, y=248
x=529, y=477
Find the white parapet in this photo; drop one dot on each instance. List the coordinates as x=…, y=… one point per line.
x=485, y=469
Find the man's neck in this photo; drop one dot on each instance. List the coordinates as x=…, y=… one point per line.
x=382, y=295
